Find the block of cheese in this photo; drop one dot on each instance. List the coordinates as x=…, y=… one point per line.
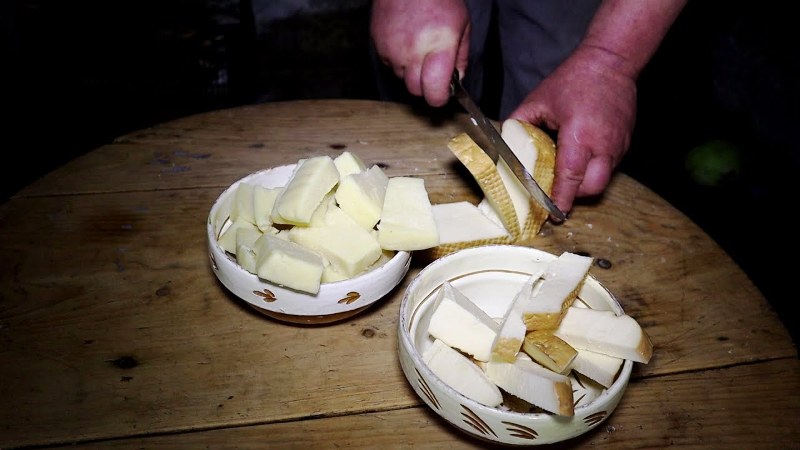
x=246, y=238
x=227, y=240
x=537, y=153
x=348, y=247
x=563, y=279
x=263, y=201
x=286, y=263
x=460, y=373
x=549, y=350
x=348, y=163
x=242, y=207
x=533, y=383
x=453, y=235
x=361, y=195
x=597, y=366
x=460, y=323
x=605, y=332
x=312, y=179
x=512, y=331
x=407, y=221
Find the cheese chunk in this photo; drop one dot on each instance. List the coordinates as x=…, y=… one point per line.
x=407, y=221
x=562, y=282
x=605, y=332
x=288, y=264
x=242, y=207
x=263, y=201
x=512, y=331
x=458, y=372
x=361, y=195
x=227, y=240
x=597, y=366
x=348, y=247
x=348, y=163
x=246, y=238
x=451, y=219
x=533, y=383
x=311, y=180
x=549, y=350
x=461, y=324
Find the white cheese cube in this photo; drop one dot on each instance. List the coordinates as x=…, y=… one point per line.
x=242, y=207
x=407, y=221
x=460, y=323
x=286, y=263
x=313, y=178
x=246, y=238
x=361, y=196
x=458, y=372
x=227, y=240
x=348, y=163
x=263, y=201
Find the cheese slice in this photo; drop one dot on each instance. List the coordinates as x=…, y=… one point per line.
x=461, y=374
x=263, y=201
x=246, y=238
x=311, y=181
x=407, y=221
x=361, y=195
x=597, y=366
x=289, y=264
x=562, y=282
x=605, y=332
x=242, y=208
x=227, y=240
x=533, y=383
x=512, y=331
x=460, y=323
x=348, y=163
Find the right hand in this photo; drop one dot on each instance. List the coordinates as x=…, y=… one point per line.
x=423, y=41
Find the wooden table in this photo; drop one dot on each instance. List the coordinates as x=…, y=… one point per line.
x=114, y=332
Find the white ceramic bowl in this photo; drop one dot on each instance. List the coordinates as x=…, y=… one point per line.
x=491, y=276
x=334, y=301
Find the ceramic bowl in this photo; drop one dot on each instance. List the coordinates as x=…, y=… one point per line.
x=497, y=272
x=334, y=302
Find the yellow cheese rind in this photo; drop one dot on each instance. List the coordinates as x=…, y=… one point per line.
x=407, y=221
x=563, y=279
x=549, y=350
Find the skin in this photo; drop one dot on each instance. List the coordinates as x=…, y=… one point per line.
x=590, y=99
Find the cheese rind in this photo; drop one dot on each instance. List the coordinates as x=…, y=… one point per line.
x=605, y=332
x=549, y=350
x=461, y=374
x=533, y=383
x=407, y=221
x=289, y=264
x=312, y=179
x=460, y=323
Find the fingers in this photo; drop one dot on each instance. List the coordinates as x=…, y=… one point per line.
x=580, y=172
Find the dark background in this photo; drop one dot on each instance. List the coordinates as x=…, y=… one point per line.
x=718, y=105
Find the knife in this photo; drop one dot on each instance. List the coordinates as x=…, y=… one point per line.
x=497, y=147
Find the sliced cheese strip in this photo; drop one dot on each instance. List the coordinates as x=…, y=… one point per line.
x=286, y=263
x=361, y=195
x=512, y=331
x=460, y=323
x=407, y=221
x=348, y=163
x=246, y=238
x=605, y=332
x=597, y=366
x=242, y=208
x=461, y=374
x=453, y=235
x=537, y=153
x=263, y=201
x=311, y=181
x=533, y=383
x=562, y=282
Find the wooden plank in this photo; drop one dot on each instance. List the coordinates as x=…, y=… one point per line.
x=692, y=410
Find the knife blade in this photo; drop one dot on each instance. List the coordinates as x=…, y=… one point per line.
x=496, y=147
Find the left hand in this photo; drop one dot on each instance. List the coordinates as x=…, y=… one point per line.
x=592, y=106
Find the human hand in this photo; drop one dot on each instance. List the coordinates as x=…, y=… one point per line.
x=422, y=41
x=592, y=106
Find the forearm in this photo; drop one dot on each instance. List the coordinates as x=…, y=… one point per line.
x=626, y=33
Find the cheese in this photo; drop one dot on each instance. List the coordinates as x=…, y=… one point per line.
x=348, y=247
x=263, y=201
x=242, y=207
x=361, y=195
x=549, y=350
x=461, y=324
x=562, y=282
x=461, y=374
x=227, y=240
x=348, y=163
x=605, y=332
x=407, y=221
x=512, y=331
x=597, y=366
x=451, y=217
x=286, y=263
x=246, y=238
x=305, y=190
x=533, y=383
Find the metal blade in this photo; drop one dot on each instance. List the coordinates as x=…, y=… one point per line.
x=497, y=147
